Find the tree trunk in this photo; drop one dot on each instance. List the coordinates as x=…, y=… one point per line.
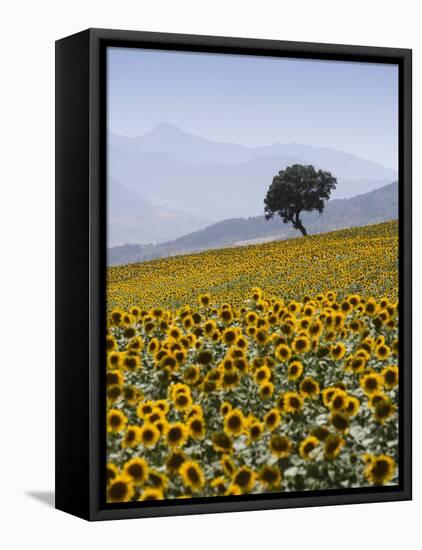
x=301, y=229
x=297, y=224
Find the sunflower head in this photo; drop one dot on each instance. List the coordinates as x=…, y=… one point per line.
x=379, y=469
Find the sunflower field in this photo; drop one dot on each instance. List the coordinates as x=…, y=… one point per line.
x=267, y=368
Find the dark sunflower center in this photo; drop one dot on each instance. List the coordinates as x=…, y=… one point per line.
x=294, y=402
x=130, y=436
x=242, y=478
x=148, y=435
x=371, y=384
x=136, y=471
x=381, y=468
x=234, y=422
x=174, y=434
x=118, y=490
x=193, y=475
x=115, y=420
x=196, y=426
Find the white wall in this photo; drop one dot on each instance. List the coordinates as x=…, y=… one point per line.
x=29, y=29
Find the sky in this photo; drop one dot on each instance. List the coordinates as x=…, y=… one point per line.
x=256, y=101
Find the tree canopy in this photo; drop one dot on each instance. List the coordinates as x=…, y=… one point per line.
x=299, y=188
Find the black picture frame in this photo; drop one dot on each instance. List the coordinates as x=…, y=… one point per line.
x=81, y=264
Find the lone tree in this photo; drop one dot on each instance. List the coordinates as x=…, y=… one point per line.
x=298, y=188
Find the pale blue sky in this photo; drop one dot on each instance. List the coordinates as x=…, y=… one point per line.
x=257, y=100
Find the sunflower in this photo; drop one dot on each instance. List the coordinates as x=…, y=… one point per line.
x=301, y=344
x=234, y=422
x=283, y=352
x=132, y=437
x=204, y=300
x=379, y=469
x=293, y=402
x=219, y=484
x=328, y=394
x=136, y=469
x=111, y=472
x=390, y=376
x=114, y=393
x=157, y=479
x=340, y=422
x=376, y=398
x=225, y=408
x=116, y=421
x=131, y=362
x=245, y=479
x=272, y=419
x=153, y=346
x=339, y=400
x=294, y=370
x=131, y=395
x=192, y=475
x=182, y=401
x=178, y=389
x=150, y=493
x=280, y=446
x=110, y=344
x=309, y=387
x=266, y=390
x=233, y=490
x=149, y=435
x=145, y=409
x=114, y=359
x=337, y=351
x=270, y=476
x=120, y=489
x=230, y=380
x=371, y=307
x=332, y=446
x=222, y=442
x=176, y=434
x=355, y=363
x=174, y=460
x=383, y=410
x=197, y=428
x=262, y=375
x=307, y=446
x=255, y=430
x=191, y=374
x=382, y=352
x=370, y=383
x=162, y=405
x=229, y=336
x=321, y=432
x=226, y=315
x=114, y=378
x=315, y=328
x=256, y=294
x=352, y=407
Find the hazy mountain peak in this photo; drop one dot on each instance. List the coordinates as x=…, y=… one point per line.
x=167, y=128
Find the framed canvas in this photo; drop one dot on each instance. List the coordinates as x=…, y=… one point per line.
x=233, y=274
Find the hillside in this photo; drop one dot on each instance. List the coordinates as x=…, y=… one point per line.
x=360, y=260
x=369, y=208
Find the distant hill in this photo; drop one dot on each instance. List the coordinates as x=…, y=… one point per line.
x=176, y=171
x=368, y=208
x=170, y=140
x=133, y=220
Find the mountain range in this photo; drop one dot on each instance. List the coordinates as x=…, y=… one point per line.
x=172, y=182
x=368, y=208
